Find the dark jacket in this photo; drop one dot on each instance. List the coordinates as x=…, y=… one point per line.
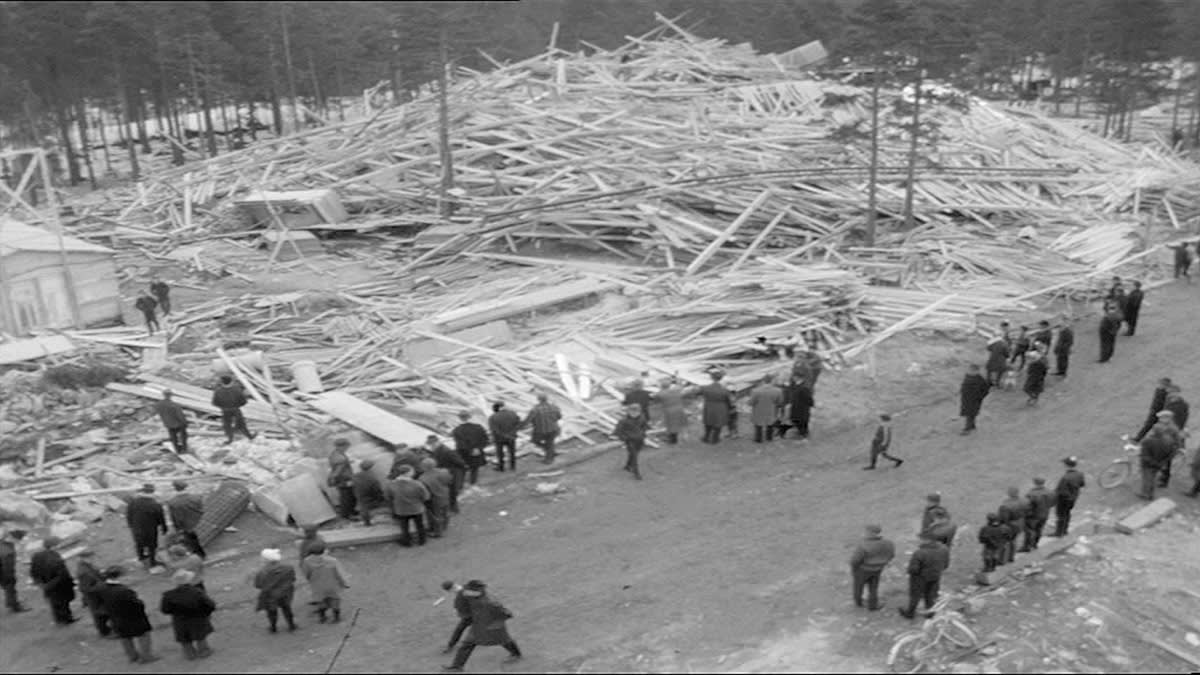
x=1013, y=512
x=998, y=353
x=91, y=583
x=717, y=402
x=144, y=515
x=1179, y=411
x=974, y=389
x=469, y=441
x=126, y=611
x=1158, y=401
x=1133, y=303
x=1035, y=377
x=504, y=425
x=1040, y=502
x=368, y=491
x=801, y=399
x=1043, y=336
x=190, y=610
x=307, y=545
x=631, y=428
x=145, y=304
x=641, y=398
x=230, y=396
x=48, y=571
x=882, y=440
x=8, y=564
x=1069, y=486
x=1157, y=451
x=994, y=535
x=929, y=561
x=943, y=532
x=1110, y=325
x=340, y=472
x=186, y=511
x=160, y=290
x=276, y=584
x=932, y=512
x=872, y=554
x=171, y=414
x=407, y=496
x=1066, y=340
x=488, y=619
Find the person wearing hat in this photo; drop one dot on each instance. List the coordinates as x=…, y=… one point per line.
x=50, y=573
x=186, y=510
x=631, y=430
x=463, y=609
x=190, y=610
x=326, y=579
x=408, y=497
x=8, y=568
x=1158, y=402
x=972, y=391
x=368, y=491
x=229, y=397
x=173, y=419
x=504, y=424
x=470, y=441
x=146, y=519
x=91, y=583
x=1110, y=327
x=637, y=395
x=1041, y=500
x=925, y=569
x=1066, y=493
x=1158, y=448
x=1180, y=410
x=1013, y=512
x=871, y=555
x=310, y=541
x=543, y=420
x=447, y=459
x=276, y=584
x=933, y=511
x=1062, y=347
x=183, y=559
x=1035, y=375
x=882, y=442
x=437, y=509
x=994, y=537
x=718, y=404
x=341, y=478
x=670, y=399
x=766, y=400
x=1132, y=307
x=127, y=614
x=488, y=625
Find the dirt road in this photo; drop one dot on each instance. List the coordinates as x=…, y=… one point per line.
x=723, y=558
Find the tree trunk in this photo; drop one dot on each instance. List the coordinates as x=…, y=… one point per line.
x=139, y=103
x=1083, y=74
x=85, y=147
x=206, y=106
x=911, y=172
x=394, y=68
x=318, y=95
x=446, y=157
x=62, y=116
x=276, y=110
x=135, y=172
x=108, y=167
x=252, y=121
x=287, y=64
x=873, y=170
x=341, y=91
x=229, y=136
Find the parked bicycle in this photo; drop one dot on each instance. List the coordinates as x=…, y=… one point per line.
x=913, y=650
x=1121, y=469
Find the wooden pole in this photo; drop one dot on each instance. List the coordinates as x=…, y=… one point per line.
x=872, y=175
x=447, y=158
x=52, y=203
x=910, y=174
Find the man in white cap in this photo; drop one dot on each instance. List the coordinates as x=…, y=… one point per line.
x=146, y=519
x=276, y=584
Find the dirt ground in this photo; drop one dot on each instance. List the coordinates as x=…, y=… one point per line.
x=727, y=558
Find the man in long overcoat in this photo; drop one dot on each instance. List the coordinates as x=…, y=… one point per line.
x=717, y=404
x=503, y=424
x=127, y=615
x=765, y=401
x=971, y=394
x=276, y=584
x=1062, y=348
x=91, y=582
x=186, y=510
x=1110, y=326
x=488, y=619
x=190, y=610
x=800, y=406
x=50, y=573
x=470, y=441
x=146, y=519
x=8, y=568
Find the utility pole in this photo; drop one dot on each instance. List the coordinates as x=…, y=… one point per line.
x=910, y=177
x=287, y=61
x=873, y=170
x=447, y=158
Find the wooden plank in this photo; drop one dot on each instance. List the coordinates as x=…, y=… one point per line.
x=729, y=232
x=17, y=351
x=1147, y=515
x=493, y=310
x=371, y=419
x=361, y=536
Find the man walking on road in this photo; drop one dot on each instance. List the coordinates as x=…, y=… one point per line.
x=1041, y=500
x=504, y=424
x=229, y=398
x=925, y=569
x=543, y=420
x=146, y=520
x=1157, y=403
x=1066, y=494
x=1133, y=308
x=765, y=401
x=173, y=419
x=488, y=619
x=882, y=442
x=871, y=555
x=1110, y=326
x=971, y=394
x=1062, y=348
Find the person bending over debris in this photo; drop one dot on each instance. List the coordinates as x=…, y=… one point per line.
x=229, y=397
x=882, y=442
x=488, y=619
x=173, y=419
x=470, y=440
x=127, y=614
x=8, y=569
x=146, y=520
x=162, y=294
x=186, y=510
x=341, y=478
x=190, y=610
x=326, y=579
x=871, y=555
x=504, y=425
x=276, y=584
x=631, y=430
x=146, y=305
x=973, y=390
x=543, y=420
x=462, y=609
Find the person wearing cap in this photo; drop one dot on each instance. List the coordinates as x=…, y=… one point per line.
x=447, y=459
x=437, y=509
x=488, y=625
x=50, y=573
x=1110, y=327
x=1013, y=512
x=276, y=584
x=470, y=441
x=943, y=530
x=229, y=397
x=1066, y=493
x=718, y=405
x=933, y=511
x=173, y=419
x=1132, y=307
x=999, y=350
x=407, y=497
x=146, y=520
x=871, y=555
x=972, y=391
x=882, y=442
x=1035, y=375
x=1062, y=347
x=310, y=541
x=91, y=582
x=1158, y=402
x=127, y=615
x=1170, y=426
x=994, y=537
x=504, y=425
x=8, y=568
x=637, y=395
x=1043, y=336
x=183, y=559
x=341, y=478
x=186, y=510
x=1041, y=500
x=1158, y=448
x=670, y=399
x=925, y=568
x=326, y=579
x=543, y=420
x=191, y=611
x=406, y=456
x=368, y=491
x=765, y=402
x=631, y=430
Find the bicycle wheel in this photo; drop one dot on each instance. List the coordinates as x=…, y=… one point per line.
x=907, y=654
x=958, y=633
x=1115, y=474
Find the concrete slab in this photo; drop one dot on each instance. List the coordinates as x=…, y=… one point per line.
x=1147, y=515
x=361, y=536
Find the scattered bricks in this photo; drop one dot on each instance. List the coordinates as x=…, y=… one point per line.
x=1147, y=515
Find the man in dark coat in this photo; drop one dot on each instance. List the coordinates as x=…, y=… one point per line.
x=925, y=569
x=171, y=414
x=1110, y=326
x=1035, y=376
x=276, y=584
x=1020, y=349
x=470, y=440
x=463, y=609
x=341, y=478
x=146, y=305
x=1062, y=348
x=1183, y=260
x=765, y=401
x=800, y=407
x=190, y=610
x=717, y=404
x=971, y=394
x=1043, y=336
x=631, y=430
x=230, y=398
x=1133, y=307
x=1013, y=512
x=50, y=573
x=543, y=420
x=127, y=615
x=1157, y=403
x=882, y=442
x=994, y=538
x=637, y=395
x=8, y=569
x=449, y=460
x=933, y=512
x=871, y=555
x=91, y=583
x=1180, y=410
x=1041, y=500
x=162, y=294
x=1066, y=494
x=368, y=491
x=437, y=483
x=488, y=618
x=999, y=351
x=1157, y=451
x=1116, y=295
x=504, y=424
x=187, y=510
x=146, y=520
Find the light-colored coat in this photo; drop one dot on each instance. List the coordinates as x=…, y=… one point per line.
x=407, y=496
x=674, y=416
x=325, y=576
x=765, y=402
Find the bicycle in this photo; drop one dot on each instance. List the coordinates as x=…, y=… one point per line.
x=1121, y=469
x=912, y=650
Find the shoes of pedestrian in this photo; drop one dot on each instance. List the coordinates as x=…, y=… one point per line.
x=149, y=659
x=228, y=441
x=875, y=608
x=203, y=653
x=898, y=463
x=448, y=649
x=858, y=603
x=272, y=629
x=905, y=614
x=964, y=432
x=500, y=469
x=868, y=468
x=291, y=627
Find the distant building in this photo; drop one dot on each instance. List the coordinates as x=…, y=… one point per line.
x=39, y=275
